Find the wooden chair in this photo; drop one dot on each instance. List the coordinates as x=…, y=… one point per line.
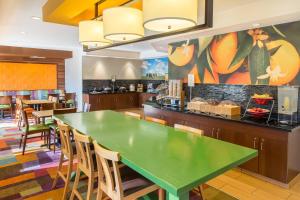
x=31, y=130
x=70, y=99
x=86, y=107
x=50, y=98
x=68, y=151
x=159, y=121
x=200, y=132
x=23, y=97
x=132, y=114
x=188, y=129
x=54, y=129
x=117, y=186
x=55, y=99
x=47, y=106
x=6, y=105
x=86, y=165
x=18, y=112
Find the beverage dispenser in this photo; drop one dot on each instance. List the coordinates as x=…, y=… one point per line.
x=288, y=104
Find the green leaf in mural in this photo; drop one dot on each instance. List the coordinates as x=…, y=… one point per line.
x=241, y=36
x=204, y=43
x=278, y=31
x=259, y=61
x=274, y=50
x=209, y=62
x=173, y=49
x=202, y=61
x=243, y=51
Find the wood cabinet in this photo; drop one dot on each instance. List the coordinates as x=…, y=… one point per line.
x=112, y=101
x=143, y=97
x=277, y=149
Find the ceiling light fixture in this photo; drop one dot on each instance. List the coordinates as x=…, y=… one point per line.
x=169, y=15
x=23, y=32
x=91, y=33
x=123, y=24
x=256, y=25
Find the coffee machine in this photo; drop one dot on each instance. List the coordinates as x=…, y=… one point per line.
x=288, y=104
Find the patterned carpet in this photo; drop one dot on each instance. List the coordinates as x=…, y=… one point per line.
x=30, y=176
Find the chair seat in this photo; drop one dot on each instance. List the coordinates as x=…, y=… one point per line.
x=53, y=127
x=49, y=122
x=4, y=106
x=36, y=128
x=133, y=181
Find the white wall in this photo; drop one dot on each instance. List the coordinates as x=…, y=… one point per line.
x=100, y=68
x=73, y=75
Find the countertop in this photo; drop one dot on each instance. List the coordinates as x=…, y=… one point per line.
x=272, y=124
x=128, y=92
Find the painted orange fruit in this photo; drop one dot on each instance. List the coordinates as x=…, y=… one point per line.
x=182, y=55
x=223, y=52
x=208, y=78
x=284, y=64
x=239, y=78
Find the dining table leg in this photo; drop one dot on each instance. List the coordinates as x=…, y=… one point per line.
x=183, y=196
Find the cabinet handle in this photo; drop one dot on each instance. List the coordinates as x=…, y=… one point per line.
x=212, y=132
x=254, y=143
x=262, y=144
x=218, y=131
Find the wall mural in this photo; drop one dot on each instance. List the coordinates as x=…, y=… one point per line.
x=262, y=56
x=155, y=69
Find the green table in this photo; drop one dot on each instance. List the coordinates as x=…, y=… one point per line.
x=174, y=160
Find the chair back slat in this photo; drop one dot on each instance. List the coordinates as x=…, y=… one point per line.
x=155, y=120
x=86, y=107
x=84, y=153
x=109, y=180
x=188, y=129
x=6, y=100
x=24, y=116
x=65, y=137
x=132, y=114
x=64, y=111
x=24, y=97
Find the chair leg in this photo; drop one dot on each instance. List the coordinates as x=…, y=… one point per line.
x=90, y=187
x=54, y=140
x=61, y=160
x=161, y=194
x=68, y=179
x=76, y=182
x=201, y=191
x=99, y=192
x=24, y=143
x=21, y=141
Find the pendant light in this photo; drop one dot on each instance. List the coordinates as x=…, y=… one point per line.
x=169, y=15
x=91, y=33
x=123, y=24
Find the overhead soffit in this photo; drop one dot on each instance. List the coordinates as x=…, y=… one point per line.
x=71, y=12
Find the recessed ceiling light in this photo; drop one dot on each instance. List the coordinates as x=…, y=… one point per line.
x=35, y=18
x=256, y=25
x=23, y=32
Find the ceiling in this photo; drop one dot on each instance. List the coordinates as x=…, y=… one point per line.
x=71, y=12
x=17, y=28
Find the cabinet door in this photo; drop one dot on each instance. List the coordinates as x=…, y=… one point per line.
x=133, y=100
x=273, y=158
x=226, y=135
x=106, y=102
x=250, y=141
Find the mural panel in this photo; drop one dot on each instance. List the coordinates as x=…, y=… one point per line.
x=262, y=56
x=155, y=69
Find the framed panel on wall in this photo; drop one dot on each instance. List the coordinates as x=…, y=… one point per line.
x=27, y=76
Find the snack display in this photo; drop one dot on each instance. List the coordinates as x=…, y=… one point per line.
x=258, y=112
x=262, y=99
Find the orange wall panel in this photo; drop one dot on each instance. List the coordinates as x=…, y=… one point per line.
x=25, y=76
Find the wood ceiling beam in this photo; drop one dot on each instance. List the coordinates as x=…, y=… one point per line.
x=34, y=52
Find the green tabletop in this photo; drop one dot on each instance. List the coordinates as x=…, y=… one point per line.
x=176, y=161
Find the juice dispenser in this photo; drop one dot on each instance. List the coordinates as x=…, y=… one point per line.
x=288, y=104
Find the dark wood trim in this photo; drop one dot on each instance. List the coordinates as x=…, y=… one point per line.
x=209, y=8
x=16, y=59
x=29, y=52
